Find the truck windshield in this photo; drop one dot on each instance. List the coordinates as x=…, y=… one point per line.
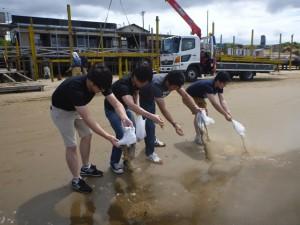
x=170, y=45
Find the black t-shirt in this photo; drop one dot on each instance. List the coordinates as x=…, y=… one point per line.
x=201, y=88
x=121, y=88
x=73, y=92
x=155, y=89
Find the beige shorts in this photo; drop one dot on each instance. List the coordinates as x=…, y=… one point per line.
x=200, y=102
x=67, y=122
x=76, y=71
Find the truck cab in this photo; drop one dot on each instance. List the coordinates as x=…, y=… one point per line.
x=183, y=53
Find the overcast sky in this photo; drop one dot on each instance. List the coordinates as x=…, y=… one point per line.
x=232, y=17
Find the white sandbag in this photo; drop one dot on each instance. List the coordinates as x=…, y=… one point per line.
x=129, y=136
x=239, y=128
x=203, y=119
x=140, y=127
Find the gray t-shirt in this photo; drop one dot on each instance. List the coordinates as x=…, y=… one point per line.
x=155, y=89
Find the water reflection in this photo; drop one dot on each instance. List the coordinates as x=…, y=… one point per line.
x=82, y=211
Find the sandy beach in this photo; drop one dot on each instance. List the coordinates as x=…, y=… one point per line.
x=260, y=188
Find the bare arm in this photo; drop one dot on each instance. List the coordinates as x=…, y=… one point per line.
x=188, y=101
x=223, y=103
x=86, y=116
x=128, y=99
x=120, y=110
x=136, y=98
x=217, y=106
x=162, y=107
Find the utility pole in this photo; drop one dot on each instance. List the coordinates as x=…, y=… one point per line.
x=291, y=51
x=143, y=14
x=251, y=45
x=71, y=42
x=207, y=29
x=233, y=45
x=279, y=50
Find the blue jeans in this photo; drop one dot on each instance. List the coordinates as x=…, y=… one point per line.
x=116, y=124
x=149, y=105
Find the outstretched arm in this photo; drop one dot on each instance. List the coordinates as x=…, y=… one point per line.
x=120, y=110
x=86, y=116
x=188, y=101
x=223, y=103
x=218, y=107
x=128, y=99
x=162, y=107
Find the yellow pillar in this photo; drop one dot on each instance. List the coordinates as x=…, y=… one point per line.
x=6, y=55
x=33, y=51
x=71, y=43
x=126, y=65
x=51, y=71
x=120, y=67
x=102, y=45
x=18, y=54
x=152, y=48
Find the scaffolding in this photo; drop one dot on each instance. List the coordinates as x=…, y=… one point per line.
x=34, y=56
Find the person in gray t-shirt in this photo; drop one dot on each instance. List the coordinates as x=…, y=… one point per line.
x=155, y=92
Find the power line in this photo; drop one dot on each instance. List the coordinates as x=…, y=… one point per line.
x=101, y=44
x=124, y=11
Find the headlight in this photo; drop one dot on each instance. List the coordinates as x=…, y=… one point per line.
x=177, y=59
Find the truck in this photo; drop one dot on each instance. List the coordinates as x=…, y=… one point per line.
x=182, y=53
x=196, y=56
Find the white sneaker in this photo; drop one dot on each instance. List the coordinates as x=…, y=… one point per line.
x=154, y=158
x=158, y=143
x=198, y=140
x=117, y=168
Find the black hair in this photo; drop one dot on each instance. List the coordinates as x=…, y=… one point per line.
x=175, y=78
x=100, y=76
x=223, y=77
x=143, y=72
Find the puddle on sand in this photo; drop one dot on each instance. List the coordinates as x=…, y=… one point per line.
x=187, y=199
x=224, y=191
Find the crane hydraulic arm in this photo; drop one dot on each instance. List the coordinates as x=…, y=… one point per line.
x=195, y=29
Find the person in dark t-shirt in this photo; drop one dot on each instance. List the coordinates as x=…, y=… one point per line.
x=70, y=113
x=126, y=91
x=202, y=89
x=160, y=87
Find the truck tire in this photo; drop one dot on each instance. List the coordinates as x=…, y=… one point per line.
x=247, y=75
x=191, y=74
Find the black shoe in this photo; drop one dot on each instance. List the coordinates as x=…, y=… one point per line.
x=91, y=172
x=81, y=186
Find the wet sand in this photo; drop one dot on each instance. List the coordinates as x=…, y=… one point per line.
x=231, y=188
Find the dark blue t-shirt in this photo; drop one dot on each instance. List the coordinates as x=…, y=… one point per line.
x=155, y=89
x=201, y=88
x=73, y=92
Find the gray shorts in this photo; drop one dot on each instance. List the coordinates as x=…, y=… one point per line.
x=67, y=122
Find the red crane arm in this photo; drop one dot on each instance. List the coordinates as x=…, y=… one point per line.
x=195, y=29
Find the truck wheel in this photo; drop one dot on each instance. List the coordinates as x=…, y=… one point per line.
x=247, y=75
x=191, y=74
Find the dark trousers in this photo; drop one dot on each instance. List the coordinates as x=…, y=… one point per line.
x=149, y=105
x=116, y=124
